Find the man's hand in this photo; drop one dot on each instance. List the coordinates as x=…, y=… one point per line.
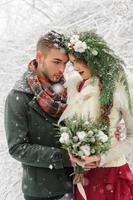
x=118, y=132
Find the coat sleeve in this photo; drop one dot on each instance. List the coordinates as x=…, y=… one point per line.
x=118, y=148
x=20, y=148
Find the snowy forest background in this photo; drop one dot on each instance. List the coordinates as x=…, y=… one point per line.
x=21, y=24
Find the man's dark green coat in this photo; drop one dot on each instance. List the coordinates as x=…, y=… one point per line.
x=33, y=141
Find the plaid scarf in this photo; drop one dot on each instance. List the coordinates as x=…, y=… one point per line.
x=50, y=102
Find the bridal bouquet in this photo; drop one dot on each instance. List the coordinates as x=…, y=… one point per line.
x=84, y=138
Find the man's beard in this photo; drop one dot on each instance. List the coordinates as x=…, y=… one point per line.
x=45, y=74
x=47, y=77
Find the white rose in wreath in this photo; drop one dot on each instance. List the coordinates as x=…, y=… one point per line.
x=74, y=39
x=80, y=46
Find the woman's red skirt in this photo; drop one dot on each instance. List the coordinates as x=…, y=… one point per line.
x=111, y=183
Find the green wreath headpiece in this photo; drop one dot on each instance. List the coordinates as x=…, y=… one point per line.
x=102, y=62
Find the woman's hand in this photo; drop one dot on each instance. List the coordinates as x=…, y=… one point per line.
x=75, y=160
x=91, y=161
x=90, y=166
x=87, y=162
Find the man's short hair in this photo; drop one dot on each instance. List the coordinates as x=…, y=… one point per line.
x=50, y=40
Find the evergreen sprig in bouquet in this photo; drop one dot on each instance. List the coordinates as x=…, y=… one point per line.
x=82, y=137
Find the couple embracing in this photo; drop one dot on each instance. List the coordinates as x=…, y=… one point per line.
x=98, y=91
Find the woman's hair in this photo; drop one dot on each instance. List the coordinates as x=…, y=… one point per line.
x=103, y=63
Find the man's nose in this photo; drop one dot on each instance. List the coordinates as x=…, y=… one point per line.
x=62, y=68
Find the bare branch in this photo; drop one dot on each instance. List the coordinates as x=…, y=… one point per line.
x=7, y=2
x=39, y=10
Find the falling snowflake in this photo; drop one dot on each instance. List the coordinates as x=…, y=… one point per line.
x=25, y=186
x=109, y=187
x=17, y=98
x=50, y=166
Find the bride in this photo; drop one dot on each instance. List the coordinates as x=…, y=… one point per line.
x=103, y=90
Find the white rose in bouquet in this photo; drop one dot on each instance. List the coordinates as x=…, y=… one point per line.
x=102, y=137
x=81, y=135
x=75, y=139
x=92, y=151
x=85, y=149
x=90, y=133
x=92, y=140
x=65, y=139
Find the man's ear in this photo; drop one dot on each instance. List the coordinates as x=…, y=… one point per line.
x=39, y=57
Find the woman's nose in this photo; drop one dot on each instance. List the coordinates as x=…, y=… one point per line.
x=76, y=67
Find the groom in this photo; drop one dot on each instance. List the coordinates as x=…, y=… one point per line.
x=32, y=107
